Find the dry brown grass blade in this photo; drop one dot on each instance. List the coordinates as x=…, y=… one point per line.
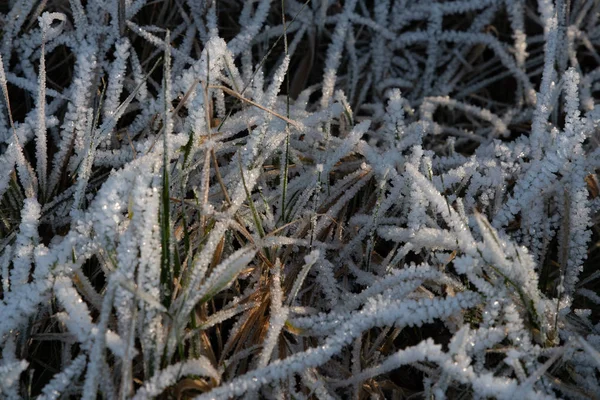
x=241, y=230
x=218, y=253
x=206, y=347
x=257, y=327
x=195, y=386
x=254, y=329
x=246, y=100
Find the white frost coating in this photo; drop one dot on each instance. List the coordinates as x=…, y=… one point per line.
x=78, y=319
x=349, y=142
x=62, y=380
x=404, y=314
x=334, y=52
x=309, y=261
x=9, y=375
x=173, y=373
x=251, y=28
x=279, y=315
x=25, y=242
x=10, y=371
x=220, y=277
x=116, y=78
x=41, y=142
x=441, y=209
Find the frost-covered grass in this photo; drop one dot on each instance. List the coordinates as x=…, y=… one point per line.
x=299, y=199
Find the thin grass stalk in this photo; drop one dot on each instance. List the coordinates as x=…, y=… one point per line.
x=167, y=275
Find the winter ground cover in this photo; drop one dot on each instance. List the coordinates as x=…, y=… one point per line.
x=296, y=199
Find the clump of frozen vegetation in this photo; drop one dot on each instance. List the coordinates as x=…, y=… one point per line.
x=299, y=199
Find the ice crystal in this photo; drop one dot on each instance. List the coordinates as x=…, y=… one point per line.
x=297, y=198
